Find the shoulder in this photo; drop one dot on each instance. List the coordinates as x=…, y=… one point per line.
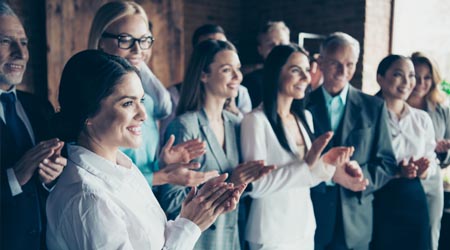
x=234, y=119
x=421, y=116
x=31, y=102
x=256, y=117
x=187, y=118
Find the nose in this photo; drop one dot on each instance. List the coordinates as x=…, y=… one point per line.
x=141, y=113
x=136, y=48
x=237, y=74
x=19, y=51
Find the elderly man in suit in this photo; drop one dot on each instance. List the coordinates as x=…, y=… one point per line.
x=344, y=218
x=28, y=168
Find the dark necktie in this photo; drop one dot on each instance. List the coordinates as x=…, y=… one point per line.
x=20, y=140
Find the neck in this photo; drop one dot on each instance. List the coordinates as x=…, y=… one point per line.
x=213, y=107
x=417, y=102
x=284, y=105
x=95, y=146
x=6, y=86
x=395, y=105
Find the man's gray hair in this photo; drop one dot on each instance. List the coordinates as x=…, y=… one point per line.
x=5, y=9
x=336, y=40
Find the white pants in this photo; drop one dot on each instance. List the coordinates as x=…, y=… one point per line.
x=434, y=191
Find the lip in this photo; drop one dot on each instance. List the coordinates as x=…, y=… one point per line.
x=135, y=130
x=14, y=67
x=233, y=86
x=135, y=61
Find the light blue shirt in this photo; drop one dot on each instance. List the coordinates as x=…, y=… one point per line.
x=144, y=157
x=335, y=106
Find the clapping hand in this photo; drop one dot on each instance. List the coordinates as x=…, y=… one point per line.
x=183, y=152
x=317, y=147
x=350, y=176
x=213, y=199
x=250, y=171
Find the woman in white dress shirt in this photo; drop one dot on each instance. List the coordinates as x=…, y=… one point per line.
x=278, y=132
x=102, y=201
x=401, y=219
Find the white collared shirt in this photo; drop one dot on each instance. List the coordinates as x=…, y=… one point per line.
x=413, y=135
x=12, y=179
x=101, y=205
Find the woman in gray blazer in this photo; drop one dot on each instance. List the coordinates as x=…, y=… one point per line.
x=213, y=77
x=427, y=96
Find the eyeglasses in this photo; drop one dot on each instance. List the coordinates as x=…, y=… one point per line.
x=126, y=41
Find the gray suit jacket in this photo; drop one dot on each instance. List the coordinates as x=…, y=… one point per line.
x=223, y=234
x=364, y=126
x=440, y=115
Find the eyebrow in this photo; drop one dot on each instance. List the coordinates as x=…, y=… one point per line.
x=227, y=64
x=126, y=97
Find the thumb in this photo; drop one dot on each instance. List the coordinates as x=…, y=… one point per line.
x=169, y=143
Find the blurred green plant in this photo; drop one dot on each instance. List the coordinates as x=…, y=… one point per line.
x=445, y=86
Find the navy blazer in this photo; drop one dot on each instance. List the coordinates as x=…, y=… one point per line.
x=23, y=215
x=364, y=126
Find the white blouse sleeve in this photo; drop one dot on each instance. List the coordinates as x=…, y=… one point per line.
x=430, y=145
x=181, y=234
x=293, y=174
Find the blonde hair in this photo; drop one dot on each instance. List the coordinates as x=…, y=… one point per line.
x=109, y=13
x=435, y=95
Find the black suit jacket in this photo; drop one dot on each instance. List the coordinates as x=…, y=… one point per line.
x=23, y=215
x=364, y=126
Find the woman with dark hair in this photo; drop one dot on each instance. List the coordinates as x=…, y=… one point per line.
x=400, y=208
x=121, y=28
x=212, y=77
x=102, y=201
x=278, y=132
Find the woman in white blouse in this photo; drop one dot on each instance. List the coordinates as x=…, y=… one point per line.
x=101, y=200
x=278, y=132
x=401, y=218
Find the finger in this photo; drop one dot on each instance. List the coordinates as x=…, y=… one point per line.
x=204, y=195
x=196, y=154
x=45, y=177
x=197, y=178
x=53, y=173
x=169, y=143
x=192, y=165
x=190, y=196
x=52, y=165
x=215, y=180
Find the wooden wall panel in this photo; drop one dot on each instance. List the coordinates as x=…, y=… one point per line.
x=68, y=24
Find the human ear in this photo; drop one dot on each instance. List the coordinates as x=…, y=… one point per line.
x=204, y=77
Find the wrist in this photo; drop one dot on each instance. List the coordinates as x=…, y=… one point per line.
x=159, y=178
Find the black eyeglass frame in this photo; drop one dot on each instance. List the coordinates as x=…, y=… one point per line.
x=132, y=40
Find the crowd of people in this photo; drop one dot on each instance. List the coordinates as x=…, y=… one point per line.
x=274, y=163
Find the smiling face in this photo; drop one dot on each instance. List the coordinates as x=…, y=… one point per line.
x=13, y=51
x=338, y=68
x=133, y=25
x=424, y=80
x=398, y=81
x=295, y=76
x=224, y=75
x=120, y=117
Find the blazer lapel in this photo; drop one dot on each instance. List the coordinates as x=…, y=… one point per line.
x=216, y=148
x=352, y=116
x=318, y=109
